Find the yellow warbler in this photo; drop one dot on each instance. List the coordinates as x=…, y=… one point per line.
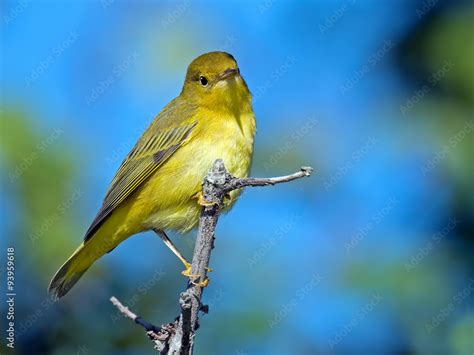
x=158, y=185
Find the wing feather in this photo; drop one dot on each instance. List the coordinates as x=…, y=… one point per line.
x=150, y=152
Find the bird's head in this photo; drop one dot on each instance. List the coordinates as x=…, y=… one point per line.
x=213, y=80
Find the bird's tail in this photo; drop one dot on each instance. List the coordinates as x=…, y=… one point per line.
x=71, y=271
x=104, y=240
x=80, y=261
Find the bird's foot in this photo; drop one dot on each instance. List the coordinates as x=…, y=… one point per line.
x=193, y=277
x=202, y=201
x=201, y=283
x=187, y=271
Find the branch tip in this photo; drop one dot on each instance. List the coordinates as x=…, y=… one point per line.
x=307, y=170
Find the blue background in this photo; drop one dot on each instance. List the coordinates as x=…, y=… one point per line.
x=372, y=254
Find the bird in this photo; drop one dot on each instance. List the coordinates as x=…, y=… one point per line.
x=158, y=185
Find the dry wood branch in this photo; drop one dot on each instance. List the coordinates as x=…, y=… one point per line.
x=178, y=337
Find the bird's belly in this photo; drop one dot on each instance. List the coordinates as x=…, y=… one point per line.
x=180, y=178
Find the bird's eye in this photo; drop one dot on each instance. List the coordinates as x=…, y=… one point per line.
x=203, y=80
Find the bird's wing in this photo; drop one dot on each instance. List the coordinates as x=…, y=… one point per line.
x=151, y=151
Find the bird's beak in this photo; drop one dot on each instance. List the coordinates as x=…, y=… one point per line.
x=229, y=73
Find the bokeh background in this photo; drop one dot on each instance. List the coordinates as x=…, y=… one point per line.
x=371, y=255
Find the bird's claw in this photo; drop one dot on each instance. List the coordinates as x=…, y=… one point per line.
x=201, y=283
x=187, y=271
x=202, y=201
x=193, y=277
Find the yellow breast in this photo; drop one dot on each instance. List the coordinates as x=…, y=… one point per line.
x=166, y=200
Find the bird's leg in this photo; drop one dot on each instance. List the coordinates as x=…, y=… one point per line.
x=202, y=201
x=187, y=264
x=175, y=251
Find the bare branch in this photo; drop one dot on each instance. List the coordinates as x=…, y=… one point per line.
x=124, y=310
x=236, y=183
x=157, y=334
x=178, y=337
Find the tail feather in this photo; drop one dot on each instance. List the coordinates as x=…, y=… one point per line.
x=71, y=271
x=104, y=240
